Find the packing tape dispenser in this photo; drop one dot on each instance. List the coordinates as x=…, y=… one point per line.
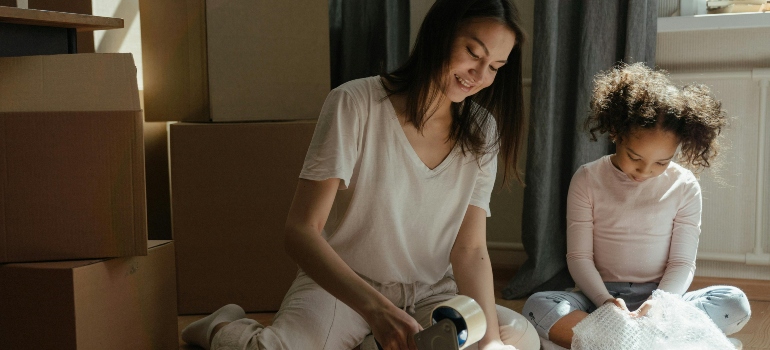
x=456, y=324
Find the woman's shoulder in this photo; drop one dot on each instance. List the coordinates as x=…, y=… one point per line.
x=362, y=87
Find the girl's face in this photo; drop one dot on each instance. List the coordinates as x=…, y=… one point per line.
x=645, y=153
x=480, y=48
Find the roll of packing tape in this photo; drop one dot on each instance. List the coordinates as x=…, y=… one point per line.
x=467, y=316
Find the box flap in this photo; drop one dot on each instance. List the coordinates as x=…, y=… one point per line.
x=54, y=265
x=153, y=243
x=73, y=264
x=77, y=82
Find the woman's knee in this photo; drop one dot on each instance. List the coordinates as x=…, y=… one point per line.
x=727, y=306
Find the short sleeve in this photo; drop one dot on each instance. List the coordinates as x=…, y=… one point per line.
x=334, y=149
x=485, y=181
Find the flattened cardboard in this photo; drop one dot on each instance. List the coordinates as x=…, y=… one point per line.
x=231, y=188
x=72, y=182
x=124, y=303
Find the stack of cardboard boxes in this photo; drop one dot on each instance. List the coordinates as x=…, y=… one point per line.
x=77, y=270
x=245, y=81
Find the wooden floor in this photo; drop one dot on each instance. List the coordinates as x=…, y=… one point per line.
x=755, y=335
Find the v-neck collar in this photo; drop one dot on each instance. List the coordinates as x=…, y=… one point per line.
x=411, y=153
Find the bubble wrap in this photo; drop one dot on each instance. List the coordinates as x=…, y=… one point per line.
x=671, y=323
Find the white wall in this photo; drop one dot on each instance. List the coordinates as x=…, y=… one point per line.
x=729, y=222
x=128, y=39
x=417, y=11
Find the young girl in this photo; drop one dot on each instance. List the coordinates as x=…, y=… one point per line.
x=633, y=217
x=414, y=157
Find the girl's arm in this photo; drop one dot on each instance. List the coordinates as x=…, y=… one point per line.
x=473, y=271
x=580, y=241
x=313, y=200
x=680, y=267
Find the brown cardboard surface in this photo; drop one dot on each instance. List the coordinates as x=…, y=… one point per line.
x=72, y=182
x=124, y=303
x=73, y=186
x=231, y=188
x=174, y=60
x=79, y=82
x=234, y=60
x=267, y=60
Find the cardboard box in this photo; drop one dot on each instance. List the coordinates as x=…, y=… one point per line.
x=174, y=60
x=124, y=303
x=231, y=188
x=72, y=182
x=221, y=60
x=267, y=59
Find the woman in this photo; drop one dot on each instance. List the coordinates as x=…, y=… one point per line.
x=415, y=152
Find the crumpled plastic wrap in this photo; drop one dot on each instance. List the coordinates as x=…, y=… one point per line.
x=671, y=323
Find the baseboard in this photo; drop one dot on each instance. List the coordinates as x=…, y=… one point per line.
x=506, y=259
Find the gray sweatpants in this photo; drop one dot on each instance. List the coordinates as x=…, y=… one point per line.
x=727, y=306
x=311, y=318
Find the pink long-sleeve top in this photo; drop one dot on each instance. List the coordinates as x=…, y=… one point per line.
x=620, y=230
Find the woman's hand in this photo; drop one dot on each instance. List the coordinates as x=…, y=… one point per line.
x=642, y=310
x=619, y=302
x=393, y=328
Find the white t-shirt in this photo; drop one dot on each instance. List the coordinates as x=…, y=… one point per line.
x=620, y=230
x=397, y=219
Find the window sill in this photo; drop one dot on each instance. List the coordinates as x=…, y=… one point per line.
x=714, y=22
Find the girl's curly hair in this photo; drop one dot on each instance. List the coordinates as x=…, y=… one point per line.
x=632, y=96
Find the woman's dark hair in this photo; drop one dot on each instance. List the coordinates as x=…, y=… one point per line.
x=633, y=96
x=427, y=69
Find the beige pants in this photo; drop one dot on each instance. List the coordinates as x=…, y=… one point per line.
x=311, y=318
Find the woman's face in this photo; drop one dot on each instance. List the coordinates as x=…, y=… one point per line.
x=480, y=48
x=645, y=153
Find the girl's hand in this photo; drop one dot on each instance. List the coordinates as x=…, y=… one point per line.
x=642, y=310
x=393, y=328
x=618, y=302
